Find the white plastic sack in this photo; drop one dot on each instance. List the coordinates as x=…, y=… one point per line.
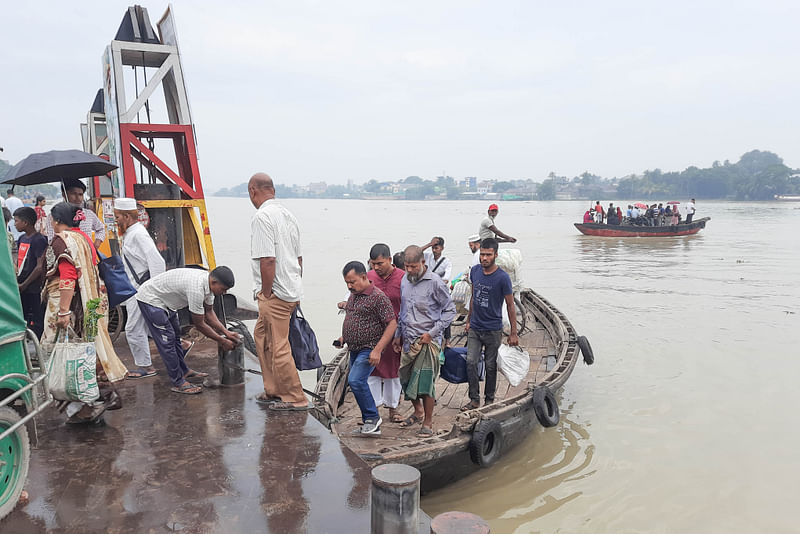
x=71, y=371
x=461, y=294
x=510, y=260
x=514, y=363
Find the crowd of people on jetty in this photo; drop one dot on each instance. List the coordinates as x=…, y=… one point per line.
x=57, y=264
x=639, y=214
x=397, y=314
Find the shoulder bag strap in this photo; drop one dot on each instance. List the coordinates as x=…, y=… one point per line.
x=438, y=263
x=133, y=271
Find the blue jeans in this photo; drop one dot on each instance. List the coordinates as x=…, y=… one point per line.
x=360, y=369
x=166, y=331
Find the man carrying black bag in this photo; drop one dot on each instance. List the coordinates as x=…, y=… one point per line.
x=142, y=261
x=277, y=264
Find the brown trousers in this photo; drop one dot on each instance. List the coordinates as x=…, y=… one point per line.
x=274, y=353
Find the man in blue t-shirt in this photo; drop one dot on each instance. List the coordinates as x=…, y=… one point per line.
x=490, y=287
x=31, y=247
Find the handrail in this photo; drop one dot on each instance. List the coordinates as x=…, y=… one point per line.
x=25, y=419
x=19, y=376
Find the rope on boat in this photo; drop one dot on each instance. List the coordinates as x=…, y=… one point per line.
x=331, y=420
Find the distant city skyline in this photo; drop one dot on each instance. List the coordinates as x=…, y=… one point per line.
x=313, y=92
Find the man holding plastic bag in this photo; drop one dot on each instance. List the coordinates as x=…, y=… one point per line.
x=490, y=287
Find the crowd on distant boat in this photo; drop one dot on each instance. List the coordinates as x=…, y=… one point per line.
x=640, y=214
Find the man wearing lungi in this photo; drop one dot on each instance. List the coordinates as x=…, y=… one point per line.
x=426, y=309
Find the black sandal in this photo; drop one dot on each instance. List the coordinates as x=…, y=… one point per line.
x=411, y=420
x=187, y=389
x=471, y=405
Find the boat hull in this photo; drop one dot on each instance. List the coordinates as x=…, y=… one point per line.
x=609, y=230
x=444, y=457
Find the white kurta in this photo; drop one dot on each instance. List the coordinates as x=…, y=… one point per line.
x=140, y=251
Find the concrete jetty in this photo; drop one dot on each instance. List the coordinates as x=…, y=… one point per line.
x=214, y=462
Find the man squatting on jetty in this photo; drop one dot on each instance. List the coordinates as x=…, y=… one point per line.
x=277, y=263
x=426, y=309
x=490, y=287
x=159, y=299
x=368, y=327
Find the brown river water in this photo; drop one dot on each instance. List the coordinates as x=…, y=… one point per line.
x=687, y=421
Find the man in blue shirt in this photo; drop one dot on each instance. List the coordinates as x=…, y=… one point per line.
x=490, y=287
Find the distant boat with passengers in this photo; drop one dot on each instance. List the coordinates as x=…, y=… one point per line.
x=641, y=220
x=630, y=230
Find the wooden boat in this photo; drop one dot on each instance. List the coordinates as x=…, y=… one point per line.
x=462, y=441
x=627, y=230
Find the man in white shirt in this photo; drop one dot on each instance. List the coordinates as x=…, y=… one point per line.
x=474, y=242
x=437, y=263
x=689, y=211
x=159, y=300
x=13, y=204
x=488, y=229
x=142, y=261
x=277, y=263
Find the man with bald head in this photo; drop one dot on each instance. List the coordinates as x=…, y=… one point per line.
x=277, y=270
x=426, y=309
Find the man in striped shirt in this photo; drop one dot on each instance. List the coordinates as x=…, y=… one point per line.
x=73, y=193
x=277, y=264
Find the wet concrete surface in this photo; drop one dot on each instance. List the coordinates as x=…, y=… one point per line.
x=214, y=462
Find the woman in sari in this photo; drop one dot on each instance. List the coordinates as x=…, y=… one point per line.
x=72, y=281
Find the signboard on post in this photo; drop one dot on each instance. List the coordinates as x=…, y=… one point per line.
x=112, y=121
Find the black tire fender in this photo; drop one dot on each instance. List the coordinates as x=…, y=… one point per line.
x=486, y=444
x=19, y=457
x=545, y=407
x=235, y=325
x=586, y=350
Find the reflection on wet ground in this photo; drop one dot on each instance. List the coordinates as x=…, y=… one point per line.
x=215, y=462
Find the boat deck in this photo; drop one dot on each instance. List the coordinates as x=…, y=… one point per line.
x=449, y=398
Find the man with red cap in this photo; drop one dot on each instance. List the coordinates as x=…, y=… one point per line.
x=488, y=229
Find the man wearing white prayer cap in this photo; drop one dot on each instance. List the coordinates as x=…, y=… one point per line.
x=475, y=246
x=142, y=261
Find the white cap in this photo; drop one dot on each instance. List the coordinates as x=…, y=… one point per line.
x=473, y=238
x=125, y=204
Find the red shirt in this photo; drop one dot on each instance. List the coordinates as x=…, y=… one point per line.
x=390, y=360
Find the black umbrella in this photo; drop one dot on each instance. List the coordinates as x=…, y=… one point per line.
x=56, y=165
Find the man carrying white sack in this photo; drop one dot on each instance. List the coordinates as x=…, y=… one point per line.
x=142, y=261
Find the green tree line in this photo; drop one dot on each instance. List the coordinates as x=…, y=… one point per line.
x=758, y=175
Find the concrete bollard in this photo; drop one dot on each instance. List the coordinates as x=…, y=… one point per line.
x=459, y=523
x=231, y=366
x=395, y=499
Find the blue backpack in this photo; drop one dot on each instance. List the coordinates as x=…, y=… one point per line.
x=305, y=349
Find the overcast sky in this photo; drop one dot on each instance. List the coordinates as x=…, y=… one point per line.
x=333, y=91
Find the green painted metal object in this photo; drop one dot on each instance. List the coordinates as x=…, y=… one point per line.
x=12, y=324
